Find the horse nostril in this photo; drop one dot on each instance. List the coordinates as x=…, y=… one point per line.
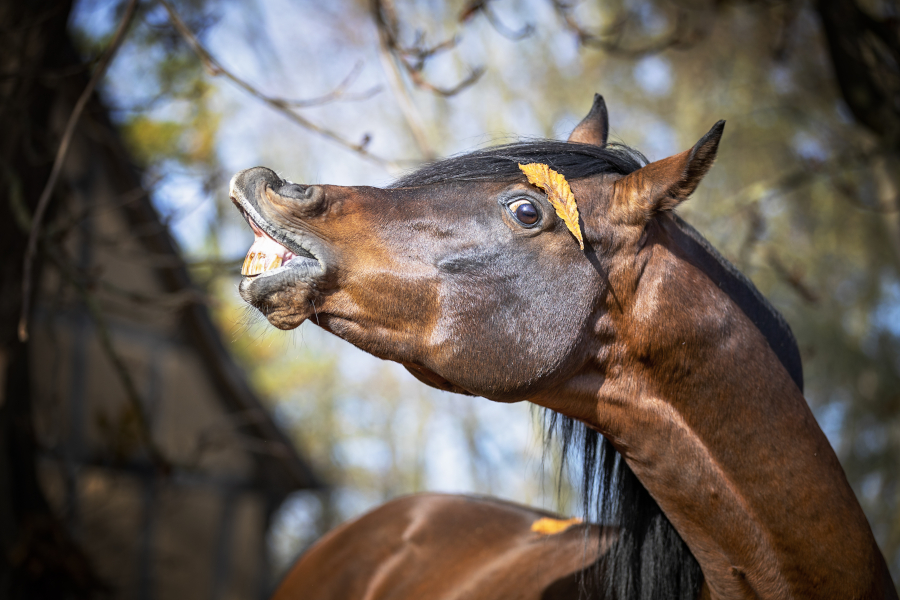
x=295, y=190
x=307, y=199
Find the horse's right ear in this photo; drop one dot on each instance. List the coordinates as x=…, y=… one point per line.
x=664, y=184
x=594, y=128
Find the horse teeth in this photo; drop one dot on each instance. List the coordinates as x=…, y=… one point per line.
x=248, y=261
x=256, y=263
x=259, y=265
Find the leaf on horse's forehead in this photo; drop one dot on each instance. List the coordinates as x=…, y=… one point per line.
x=558, y=193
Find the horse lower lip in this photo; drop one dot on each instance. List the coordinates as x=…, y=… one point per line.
x=295, y=261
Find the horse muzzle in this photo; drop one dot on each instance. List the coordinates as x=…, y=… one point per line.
x=283, y=268
x=259, y=193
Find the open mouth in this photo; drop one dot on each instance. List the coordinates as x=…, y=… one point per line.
x=284, y=270
x=266, y=254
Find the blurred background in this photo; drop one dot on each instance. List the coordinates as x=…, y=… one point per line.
x=160, y=439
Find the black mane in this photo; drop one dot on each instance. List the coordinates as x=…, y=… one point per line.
x=649, y=561
x=501, y=163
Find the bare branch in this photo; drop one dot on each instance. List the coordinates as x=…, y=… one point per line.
x=414, y=58
x=44, y=200
x=215, y=68
x=681, y=36
x=398, y=59
x=407, y=108
x=484, y=6
x=419, y=53
x=338, y=93
x=421, y=82
x=794, y=278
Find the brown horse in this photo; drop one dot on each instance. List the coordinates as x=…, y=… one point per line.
x=722, y=483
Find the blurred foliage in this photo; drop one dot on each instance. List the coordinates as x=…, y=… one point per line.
x=804, y=199
x=167, y=117
x=190, y=142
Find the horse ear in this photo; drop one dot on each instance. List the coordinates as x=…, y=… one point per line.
x=664, y=184
x=594, y=128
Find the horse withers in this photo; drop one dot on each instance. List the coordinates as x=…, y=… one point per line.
x=463, y=273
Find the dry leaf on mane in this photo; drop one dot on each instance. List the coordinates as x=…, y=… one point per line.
x=558, y=193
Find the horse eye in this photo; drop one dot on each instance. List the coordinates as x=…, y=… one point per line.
x=525, y=212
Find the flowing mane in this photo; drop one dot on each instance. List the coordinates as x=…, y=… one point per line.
x=501, y=163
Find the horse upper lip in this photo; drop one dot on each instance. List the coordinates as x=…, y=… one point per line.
x=256, y=228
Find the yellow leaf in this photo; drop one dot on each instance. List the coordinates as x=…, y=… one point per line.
x=548, y=526
x=558, y=193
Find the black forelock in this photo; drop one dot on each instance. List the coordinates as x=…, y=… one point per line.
x=501, y=163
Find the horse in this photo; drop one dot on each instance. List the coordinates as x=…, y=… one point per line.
x=449, y=546
x=682, y=383
x=353, y=561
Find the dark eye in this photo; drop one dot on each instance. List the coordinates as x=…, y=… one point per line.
x=524, y=211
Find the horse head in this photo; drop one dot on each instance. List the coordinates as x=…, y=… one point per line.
x=462, y=271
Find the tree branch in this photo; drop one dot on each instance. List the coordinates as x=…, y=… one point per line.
x=794, y=278
x=484, y=6
x=338, y=93
x=414, y=58
x=44, y=200
x=681, y=36
x=215, y=68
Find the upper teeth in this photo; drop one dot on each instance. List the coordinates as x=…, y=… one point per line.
x=256, y=263
x=265, y=254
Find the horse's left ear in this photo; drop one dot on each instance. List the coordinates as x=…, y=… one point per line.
x=664, y=184
x=594, y=128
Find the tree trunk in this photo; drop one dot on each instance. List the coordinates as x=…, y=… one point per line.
x=38, y=558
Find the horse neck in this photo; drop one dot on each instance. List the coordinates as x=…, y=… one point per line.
x=711, y=423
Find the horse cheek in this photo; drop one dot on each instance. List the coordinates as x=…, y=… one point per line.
x=506, y=342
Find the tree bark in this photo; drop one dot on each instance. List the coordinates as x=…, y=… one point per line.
x=865, y=55
x=38, y=558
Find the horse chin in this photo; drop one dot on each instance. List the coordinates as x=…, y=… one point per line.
x=284, y=296
x=434, y=380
